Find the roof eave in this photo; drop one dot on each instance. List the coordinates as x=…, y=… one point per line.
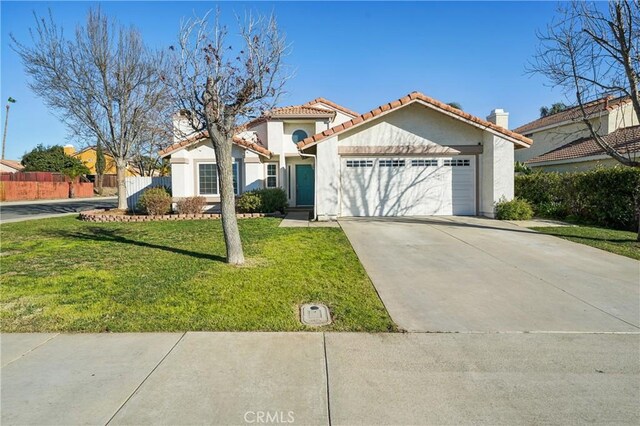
x=568, y=160
x=364, y=119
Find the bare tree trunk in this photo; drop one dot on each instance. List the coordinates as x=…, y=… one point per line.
x=121, y=168
x=224, y=163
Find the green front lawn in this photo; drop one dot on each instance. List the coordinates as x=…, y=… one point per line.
x=619, y=242
x=67, y=275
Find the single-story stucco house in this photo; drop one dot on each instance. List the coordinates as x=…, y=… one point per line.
x=413, y=156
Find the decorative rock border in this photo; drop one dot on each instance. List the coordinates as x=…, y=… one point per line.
x=99, y=216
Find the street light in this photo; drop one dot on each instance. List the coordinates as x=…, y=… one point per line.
x=6, y=120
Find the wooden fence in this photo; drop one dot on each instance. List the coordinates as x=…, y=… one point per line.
x=136, y=185
x=33, y=177
x=33, y=190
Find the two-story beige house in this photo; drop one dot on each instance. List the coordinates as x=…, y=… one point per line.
x=562, y=142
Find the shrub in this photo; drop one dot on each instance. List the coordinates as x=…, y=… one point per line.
x=606, y=197
x=274, y=200
x=263, y=201
x=191, y=205
x=155, y=201
x=516, y=209
x=249, y=202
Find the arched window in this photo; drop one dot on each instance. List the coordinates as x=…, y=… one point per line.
x=298, y=135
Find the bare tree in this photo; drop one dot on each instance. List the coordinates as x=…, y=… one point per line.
x=217, y=85
x=591, y=51
x=103, y=82
x=156, y=135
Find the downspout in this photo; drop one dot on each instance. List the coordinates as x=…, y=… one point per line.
x=315, y=181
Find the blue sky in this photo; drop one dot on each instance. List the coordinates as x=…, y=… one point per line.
x=357, y=54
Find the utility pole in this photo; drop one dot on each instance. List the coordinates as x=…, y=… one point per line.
x=6, y=120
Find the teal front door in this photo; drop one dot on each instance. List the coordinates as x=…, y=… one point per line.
x=304, y=185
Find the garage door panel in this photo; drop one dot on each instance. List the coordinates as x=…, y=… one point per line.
x=407, y=187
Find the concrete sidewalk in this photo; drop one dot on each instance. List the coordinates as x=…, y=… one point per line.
x=320, y=378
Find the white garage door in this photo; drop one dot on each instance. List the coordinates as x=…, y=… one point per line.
x=419, y=186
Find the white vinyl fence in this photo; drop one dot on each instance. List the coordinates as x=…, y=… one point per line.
x=136, y=185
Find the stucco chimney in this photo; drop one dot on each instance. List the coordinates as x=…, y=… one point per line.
x=500, y=117
x=69, y=149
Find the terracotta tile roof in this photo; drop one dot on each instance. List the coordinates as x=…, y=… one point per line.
x=13, y=164
x=299, y=110
x=255, y=146
x=333, y=105
x=292, y=111
x=411, y=98
x=574, y=113
x=625, y=140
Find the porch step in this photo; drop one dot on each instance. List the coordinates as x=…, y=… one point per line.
x=296, y=219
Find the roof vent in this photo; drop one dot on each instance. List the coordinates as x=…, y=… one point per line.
x=315, y=314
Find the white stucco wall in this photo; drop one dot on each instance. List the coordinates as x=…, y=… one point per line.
x=412, y=125
x=328, y=179
x=496, y=173
x=288, y=147
x=261, y=132
x=340, y=116
x=622, y=117
x=547, y=140
x=181, y=128
x=184, y=168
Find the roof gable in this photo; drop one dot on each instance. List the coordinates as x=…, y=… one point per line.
x=332, y=105
x=242, y=142
x=416, y=97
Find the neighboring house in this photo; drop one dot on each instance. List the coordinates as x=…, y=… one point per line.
x=562, y=142
x=88, y=156
x=10, y=166
x=412, y=156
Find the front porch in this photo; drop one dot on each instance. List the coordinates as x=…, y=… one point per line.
x=299, y=182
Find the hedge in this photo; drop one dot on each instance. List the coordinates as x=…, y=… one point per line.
x=608, y=197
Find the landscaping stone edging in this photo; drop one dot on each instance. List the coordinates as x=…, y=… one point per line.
x=97, y=216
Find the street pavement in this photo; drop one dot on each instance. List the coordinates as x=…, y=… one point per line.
x=42, y=209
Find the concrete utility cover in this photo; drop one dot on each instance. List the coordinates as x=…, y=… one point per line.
x=315, y=314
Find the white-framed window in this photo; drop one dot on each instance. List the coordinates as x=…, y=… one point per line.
x=208, y=182
x=272, y=175
x=457, y=162
x=298, y=135
x=391, y=163
x=359, y=163
x=424, y=162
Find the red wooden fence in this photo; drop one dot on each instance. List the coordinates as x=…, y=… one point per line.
x=19, y=191
x=33, y=177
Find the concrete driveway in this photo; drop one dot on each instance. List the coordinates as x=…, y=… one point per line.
x=463, y=274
